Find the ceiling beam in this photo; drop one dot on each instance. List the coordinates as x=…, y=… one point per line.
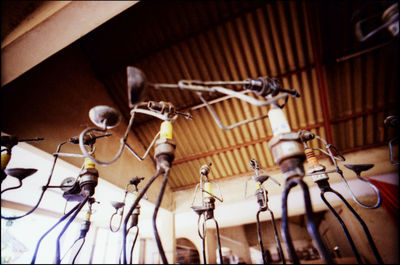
x=50, y=28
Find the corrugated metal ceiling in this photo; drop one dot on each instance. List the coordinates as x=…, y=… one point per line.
x=344, y=101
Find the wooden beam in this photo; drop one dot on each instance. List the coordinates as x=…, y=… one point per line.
x=55, y=26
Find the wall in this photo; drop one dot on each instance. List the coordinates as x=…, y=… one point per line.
x=66, y=79
x=233, y=189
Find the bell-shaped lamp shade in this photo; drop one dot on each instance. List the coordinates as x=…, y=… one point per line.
x=104, y=116
x=137, y=83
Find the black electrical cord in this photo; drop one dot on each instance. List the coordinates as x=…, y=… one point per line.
x=157, y=206
x=43, y=189
x=311, y=226
x=80, y=206
x=364, y=226
x=48, y=231
x=136, y=202
x=351, y=242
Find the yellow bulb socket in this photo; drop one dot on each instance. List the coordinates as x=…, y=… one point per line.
x=5, y=158
x=89, y=163
x=166, y=130
x=88, y=215
x=207, y=188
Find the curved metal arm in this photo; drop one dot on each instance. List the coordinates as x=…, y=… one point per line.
x=120, y=221
x=136, y=109
x=329, y=153
x=378, y=193
x=340, y=172
x=245, y=189
x=212, y=195
x=392, y=19
x=218, y=121
x=147, y=151
x=195, y=193
x=201, y=87
x=43, y=190
x=265, y=87
x=12, y=188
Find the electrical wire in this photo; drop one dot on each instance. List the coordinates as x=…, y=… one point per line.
x=136, y=202
x=311, y=226
x=345, y=230
x=44, y=188
x=48, y=231
x=81, y=204
x=364, y=226
x=157, y=206
x=340, y=172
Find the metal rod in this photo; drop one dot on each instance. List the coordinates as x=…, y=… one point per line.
x=133, y=244
x=218, y=241
x=367, y=50
x=204, y=240
x=79, y=250
x=80, y=206
x=277, y=237
x=260, y=238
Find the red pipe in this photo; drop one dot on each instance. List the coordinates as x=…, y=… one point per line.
x=320, y=76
